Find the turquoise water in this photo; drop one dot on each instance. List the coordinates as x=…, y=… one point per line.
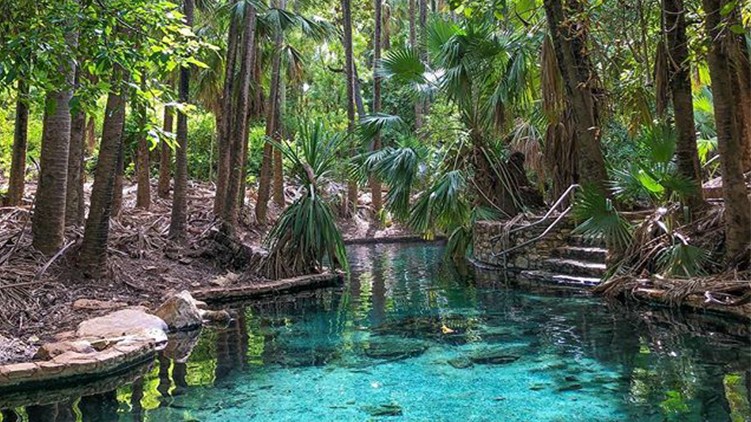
x=409, y=338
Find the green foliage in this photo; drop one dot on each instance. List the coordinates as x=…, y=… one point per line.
x=599, y=218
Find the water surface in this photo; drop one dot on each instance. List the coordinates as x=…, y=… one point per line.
x=410, y=338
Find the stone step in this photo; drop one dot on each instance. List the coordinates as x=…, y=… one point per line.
x=563, y=280
x=584, y=253
x=581, y=240
x=574, y=267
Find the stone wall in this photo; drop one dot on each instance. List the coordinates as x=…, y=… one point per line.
x=486, y=244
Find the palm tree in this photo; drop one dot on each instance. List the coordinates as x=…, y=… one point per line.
x=179, y=198
x=721, y=15
x=680, y=87
x=74, y=203
x=580, y=79
x=93, y=255
x=48, y=221
x=20, y=141
x=305, y=235
x=165, y=155
x=350, y=207
x=375, y=186
x=143, y=173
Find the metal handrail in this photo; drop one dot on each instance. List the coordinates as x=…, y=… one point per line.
x=542, y=219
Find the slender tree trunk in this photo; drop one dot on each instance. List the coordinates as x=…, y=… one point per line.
x=20, y=141
x=423, y=43
x=375, y=186
x=180, y=195
x=267, y=171
x=165, y=156
x=729, y=132
x=679, y=71
x=48, y=221
x=239, y=121
x=580, y=78
x=74, y=202
x=143, y=190
x=117, y=196
x=90, y=136
x=93, y=256
x=278, y=169
x=386, y=25
x=351, y=202
x=223, y=147
x=413, y=45
x=742, y=65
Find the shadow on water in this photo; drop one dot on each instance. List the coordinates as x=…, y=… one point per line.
x=403, y=307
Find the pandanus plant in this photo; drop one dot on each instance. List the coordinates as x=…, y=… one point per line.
x=305, y=237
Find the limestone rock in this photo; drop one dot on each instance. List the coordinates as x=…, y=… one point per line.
x=50, y=350
x=124, y=323
x=95, y=305
x=180, y=312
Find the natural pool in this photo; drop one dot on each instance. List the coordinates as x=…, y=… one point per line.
x=409, y=338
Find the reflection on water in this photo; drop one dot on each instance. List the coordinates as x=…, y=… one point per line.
x=411, y=338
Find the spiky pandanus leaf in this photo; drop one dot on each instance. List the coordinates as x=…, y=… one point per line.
x=305, y=235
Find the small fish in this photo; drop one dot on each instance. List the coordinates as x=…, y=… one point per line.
x=446, y=330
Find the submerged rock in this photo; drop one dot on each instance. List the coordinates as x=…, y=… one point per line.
x=180, y=312
x=389, y=409
x=570, y=387
x=493, y=357
x=460, y=362
x=395, y=348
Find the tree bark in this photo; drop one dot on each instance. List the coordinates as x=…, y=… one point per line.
x=20, y=143
x=117, y=196
x=679, y=74
x=165, y=157
x=729, y=132
x=180, y=195
x=239, y=122
x=267, y=171
x=74, y=202
x=93, y=256
x=143, y=179
x=278, y=169
x=48, y=221
x=742, y=65
x=580, y=78
x=375, y=185
x=351, y=202
x=223, y=147
x=413, y=45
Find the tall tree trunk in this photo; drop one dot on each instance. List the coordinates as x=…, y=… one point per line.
x=386, y=25
x=680, y=87
x=20, y=142
x=223, y=147
x=375, y=186
x=742, y=65
x=165, y=156
x=90, y=135
x=729, y=132
x=143, y=190
x=117, y=196
x=423, y=43
x=180, y=195
x=413, y=45
x=74, y=202
x=278, y=169
x=48, y=221
x=267, y=171
x=351, y=202
x=569, y=41
x=239, y=121
x=93, y=256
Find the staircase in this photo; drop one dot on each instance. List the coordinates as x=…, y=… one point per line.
x=580, y=263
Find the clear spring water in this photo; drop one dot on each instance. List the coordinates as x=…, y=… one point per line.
x=411, y=339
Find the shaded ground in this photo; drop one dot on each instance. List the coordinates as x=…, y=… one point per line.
x=38, y=294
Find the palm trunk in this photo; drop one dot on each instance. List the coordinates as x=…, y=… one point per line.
x=74, y=202
x=580, y=78
x=93, y=257
x=375, y=186
x=90, y=136
x=680, y=87
x=424, y=103
x=386, y=25
x=239, y=122
x=180, y=196
x=143, y=190
x=729, y=132
x=413, y=45
x=265, y=179
x=351, y=202
x=20, y=142
x=278, y=169
x=117, y=196
x=48, y=221
x=165, y=157
x=223, y=147
x=742, y=67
